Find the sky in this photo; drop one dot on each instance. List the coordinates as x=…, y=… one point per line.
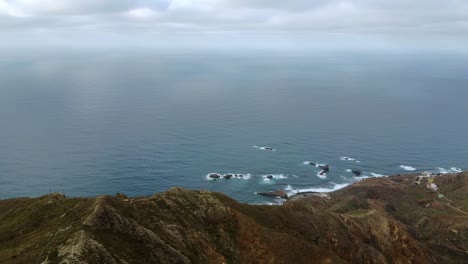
x=237, y=23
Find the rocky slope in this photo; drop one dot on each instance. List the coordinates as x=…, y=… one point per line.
x=382, y=220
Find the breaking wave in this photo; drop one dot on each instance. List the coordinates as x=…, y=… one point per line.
x=360, y=178
x=315, y=164
x=274, y=177
x=372, y=175
x=228, y=176
x=290, y=190
x=347, y=158
x=344, y=158
x=277, y=201
x=264, y=148
x=452, y=169
x=321, y=176
x=442, y=170
x=407, y=168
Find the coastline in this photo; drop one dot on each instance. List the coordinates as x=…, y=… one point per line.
x=380, y=219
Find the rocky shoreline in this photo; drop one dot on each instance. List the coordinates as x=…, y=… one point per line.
x=398, y=219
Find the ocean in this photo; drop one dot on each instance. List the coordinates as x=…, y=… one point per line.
x=90, y=122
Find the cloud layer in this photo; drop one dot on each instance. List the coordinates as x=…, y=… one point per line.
x=369, y=17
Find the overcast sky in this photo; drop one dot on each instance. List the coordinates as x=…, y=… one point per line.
x=227, y=21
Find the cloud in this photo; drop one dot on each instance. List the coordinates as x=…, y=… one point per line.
x=6, y=9
x=142, y=13
x=426, y=18
x=80, y=7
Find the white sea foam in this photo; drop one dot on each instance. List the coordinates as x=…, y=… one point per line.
x=445, y=171
x=442, y=170
x=266, y=203
x=277, y=201
x=243, y=176
x=407, y=168
x=292, y=191
x=240, y=176
x=264, y=148
x=349, y=170
x=377, y=175
x=274, y=176
x=347, y=158
x=307, y=162
x=323, y=176
x=360, y=178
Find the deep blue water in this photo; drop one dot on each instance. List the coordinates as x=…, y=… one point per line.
x=100, y=122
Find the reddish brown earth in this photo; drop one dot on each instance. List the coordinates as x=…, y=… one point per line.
x=381, y=220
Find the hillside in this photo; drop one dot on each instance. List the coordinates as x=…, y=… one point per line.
x=379, y=220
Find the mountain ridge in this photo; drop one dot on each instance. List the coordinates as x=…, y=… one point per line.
x=397, y=219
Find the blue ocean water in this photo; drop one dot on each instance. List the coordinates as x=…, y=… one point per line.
x=89, y=122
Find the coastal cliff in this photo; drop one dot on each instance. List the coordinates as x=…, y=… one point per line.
x=398, y=219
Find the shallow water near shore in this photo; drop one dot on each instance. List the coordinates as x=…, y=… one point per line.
x=93, y=122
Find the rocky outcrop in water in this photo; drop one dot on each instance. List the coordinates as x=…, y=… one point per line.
x=214, y=176
x=324, y=169
x=279, y=193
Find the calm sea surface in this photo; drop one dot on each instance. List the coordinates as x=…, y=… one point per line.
x=100, y=122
